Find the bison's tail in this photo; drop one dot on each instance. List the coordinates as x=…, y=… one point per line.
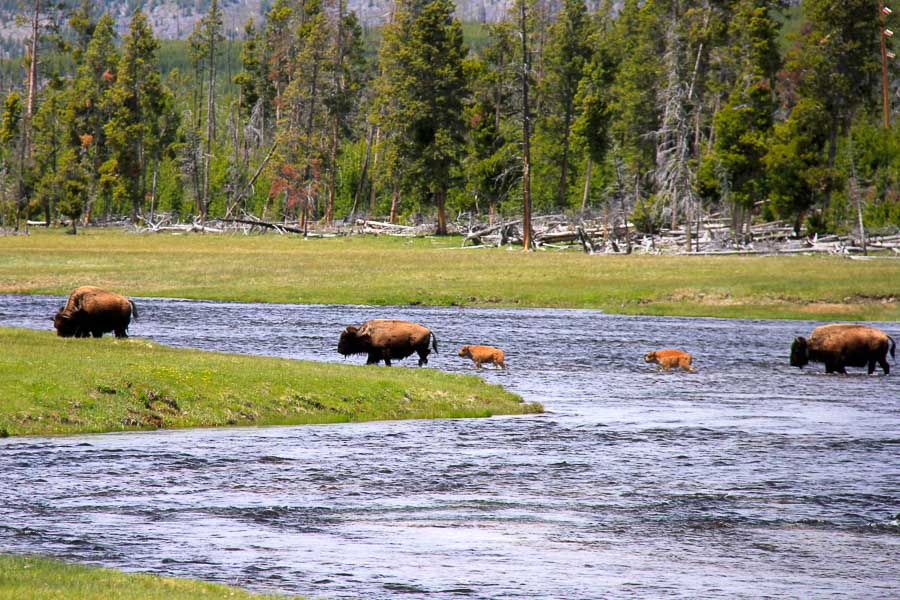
x=893, y=346
x=134, y=311
x=434, y=342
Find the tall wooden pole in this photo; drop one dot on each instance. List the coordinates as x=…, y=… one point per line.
x=884, y=70
x=526, y=135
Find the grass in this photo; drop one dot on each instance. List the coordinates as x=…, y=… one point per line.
x=33, y=578
x=386, y=270
x=51, y=385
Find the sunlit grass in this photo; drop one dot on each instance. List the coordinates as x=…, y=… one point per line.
x=54, y=385
x=35, y=578
x=433, y=271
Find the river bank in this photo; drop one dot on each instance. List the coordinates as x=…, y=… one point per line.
x=38, y=578
x=51, y=385
x=436, y=272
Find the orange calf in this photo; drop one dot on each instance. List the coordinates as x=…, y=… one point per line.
x=669, y=359
x=484, y=354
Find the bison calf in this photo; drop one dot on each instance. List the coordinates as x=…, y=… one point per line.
x=94, y=311
x=384, y=339
x=844, y=345
x=670, y=359
x=484, y=354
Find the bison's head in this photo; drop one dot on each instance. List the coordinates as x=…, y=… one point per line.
x=65, y=323
x=351, y=342
x=650, y=357
x=465, y=352
x=799, y=352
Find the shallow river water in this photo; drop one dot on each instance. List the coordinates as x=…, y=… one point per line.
x=747, y=478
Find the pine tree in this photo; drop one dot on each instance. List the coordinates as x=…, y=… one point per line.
x=91, y=104
x=744, y=124
x=422, y=92
x=138, y=100
x=564, y=60
x=592, y=125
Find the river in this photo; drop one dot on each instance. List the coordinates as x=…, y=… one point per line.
x=747, y=478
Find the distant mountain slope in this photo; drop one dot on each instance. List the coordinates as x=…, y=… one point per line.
x=174, y=19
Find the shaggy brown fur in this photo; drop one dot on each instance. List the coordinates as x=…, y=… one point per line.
x=844, y=345
x=94, y=311
x=386, y=339
x=670, y=359
x=484, y=354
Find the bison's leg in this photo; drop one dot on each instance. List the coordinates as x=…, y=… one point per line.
x=97, y=333
x=884, y=365
x=373, y=359
x=120, y=333
x=423, y=356
x=871, y=366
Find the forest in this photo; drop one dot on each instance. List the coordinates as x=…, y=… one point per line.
x=652, y=113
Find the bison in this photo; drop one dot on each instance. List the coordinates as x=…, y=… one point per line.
x=386, y=339
x=843, y=345
x=670, y=359
x=94, y=311
x=484, y=354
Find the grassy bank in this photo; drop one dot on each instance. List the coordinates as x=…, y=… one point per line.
x=55, y=385
x=34, y=578
x=369, y=270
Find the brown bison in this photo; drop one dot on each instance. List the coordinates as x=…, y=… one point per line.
x=670, y=359
x=840, y=346
x=385, y=339
x=94, y=311
x=484, y=354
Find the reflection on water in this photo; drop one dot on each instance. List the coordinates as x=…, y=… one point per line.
x=746, y=478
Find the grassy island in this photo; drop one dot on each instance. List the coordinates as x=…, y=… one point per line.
x=51, y=385
x=36, y=578
x=435, y=271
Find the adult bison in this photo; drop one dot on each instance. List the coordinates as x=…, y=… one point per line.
x=94, y=311
x=386, y=339
x=840, y=346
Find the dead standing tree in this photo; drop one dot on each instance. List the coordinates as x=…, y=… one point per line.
x=674, y=179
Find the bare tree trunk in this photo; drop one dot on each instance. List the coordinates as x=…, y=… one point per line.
x=339, y=89
x=210, y=121
x=372, y=195
x=527, y=241
x=564, y=168
x=854, y=194
x=440, y=197
x=362, y=177
x=395, y=203
x=587, y=185
x=153, y=187
x=32, y=74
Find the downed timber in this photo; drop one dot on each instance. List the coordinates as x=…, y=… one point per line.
x=281, y=228
x=474, y=235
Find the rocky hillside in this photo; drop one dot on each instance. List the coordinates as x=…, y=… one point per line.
x=174, y=19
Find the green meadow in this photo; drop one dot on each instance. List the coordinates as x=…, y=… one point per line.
x=436, y=271
x=37, y=578
x=52, y=385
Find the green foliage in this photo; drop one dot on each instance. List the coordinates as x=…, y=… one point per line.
x=37, y=578
x=172, y=388
x=421, y=93
x=796, y=168
x=12, y=116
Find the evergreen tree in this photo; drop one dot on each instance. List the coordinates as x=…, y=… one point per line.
x=91, y=103
x=744, y=124
x=565, y=57
x=423, y=91
x=133, y=129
